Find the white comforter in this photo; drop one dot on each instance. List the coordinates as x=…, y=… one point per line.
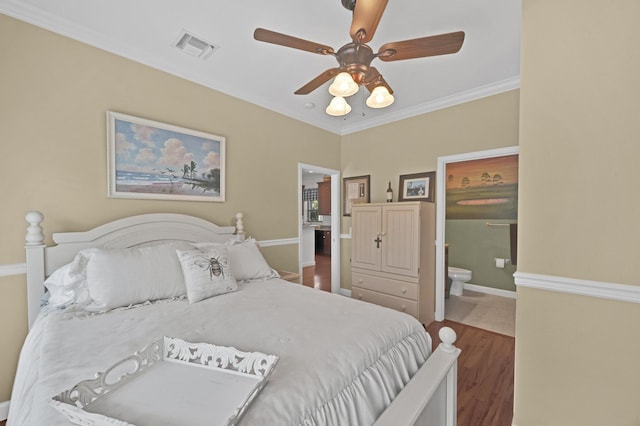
x=341, y=361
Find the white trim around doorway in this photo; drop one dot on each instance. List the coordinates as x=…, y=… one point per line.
x=441, y=205
x=335, y=221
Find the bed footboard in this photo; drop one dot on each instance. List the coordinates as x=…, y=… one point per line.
x=430, y=397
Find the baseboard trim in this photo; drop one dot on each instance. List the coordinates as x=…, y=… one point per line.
x=4, y=410
x=311, y=263
x=599, y=289
x=345, y=292
x=490, y=290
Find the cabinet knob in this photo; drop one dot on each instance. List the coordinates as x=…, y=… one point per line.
x=403, y=308
x=360, y=280
x=404, y=290
x=359, y=295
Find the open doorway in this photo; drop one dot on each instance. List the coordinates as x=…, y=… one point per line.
x=441, y=181
x=319, y=225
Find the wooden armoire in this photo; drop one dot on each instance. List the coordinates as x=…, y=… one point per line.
x=393, y=256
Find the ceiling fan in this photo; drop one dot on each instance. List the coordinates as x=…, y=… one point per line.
x=355, y=58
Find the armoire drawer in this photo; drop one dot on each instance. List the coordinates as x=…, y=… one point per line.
x=399, y=304
x=384, y=285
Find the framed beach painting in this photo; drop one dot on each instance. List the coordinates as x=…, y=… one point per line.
x=152, y=160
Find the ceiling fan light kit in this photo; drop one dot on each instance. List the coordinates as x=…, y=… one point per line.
x=338, y=107
x=354, y=58
x=343, y=85
x=380, y=98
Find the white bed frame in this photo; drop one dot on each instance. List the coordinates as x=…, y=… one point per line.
x=428, y=399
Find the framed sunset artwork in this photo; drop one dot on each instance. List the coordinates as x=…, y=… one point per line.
x=483, y=189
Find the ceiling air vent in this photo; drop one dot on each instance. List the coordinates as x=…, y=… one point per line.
x=194, y=46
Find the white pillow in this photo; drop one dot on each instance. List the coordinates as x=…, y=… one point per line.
x=206, y=272
x=247, y=262
x=59, y=295
x=122, y=277
x=68, y=284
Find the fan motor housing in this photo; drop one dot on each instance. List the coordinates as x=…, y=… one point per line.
x=355, y=59
x=349, y=4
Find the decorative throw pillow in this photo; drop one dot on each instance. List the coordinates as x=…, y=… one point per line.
x=206, y=272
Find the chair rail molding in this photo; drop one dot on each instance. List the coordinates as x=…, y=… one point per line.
x=279, y=242
x=603, y=290
x=13, y=269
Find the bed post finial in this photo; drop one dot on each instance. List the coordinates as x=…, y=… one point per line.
x=240, y=226
x=34, y=236
x=448, y=337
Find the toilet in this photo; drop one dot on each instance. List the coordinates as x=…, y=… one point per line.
x=458, y=277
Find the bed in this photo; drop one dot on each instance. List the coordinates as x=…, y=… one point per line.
x=341, y=361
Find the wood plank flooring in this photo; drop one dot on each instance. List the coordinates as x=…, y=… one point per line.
x=485, y=374
x=318, y=276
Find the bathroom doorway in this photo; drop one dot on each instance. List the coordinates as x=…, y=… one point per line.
x=326, y=226
x=441, y=214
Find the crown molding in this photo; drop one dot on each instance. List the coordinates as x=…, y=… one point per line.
x=446, y=102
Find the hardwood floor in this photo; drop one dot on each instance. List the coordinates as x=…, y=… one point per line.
x=485, y=374
x=318, y=276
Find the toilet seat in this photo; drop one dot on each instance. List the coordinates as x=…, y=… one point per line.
x=459, y=272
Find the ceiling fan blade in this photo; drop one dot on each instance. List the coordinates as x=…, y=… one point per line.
x=366, y=16
x=442, y=44
x=317, y=82
x=373, y=78
x=273, y=37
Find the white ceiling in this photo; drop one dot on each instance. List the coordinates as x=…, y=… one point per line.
x=267, y=75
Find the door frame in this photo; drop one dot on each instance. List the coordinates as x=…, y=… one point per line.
x=335, y=221
x=441, y=211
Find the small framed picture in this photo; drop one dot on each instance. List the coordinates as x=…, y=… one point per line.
x=417, y=187
x=355, y=190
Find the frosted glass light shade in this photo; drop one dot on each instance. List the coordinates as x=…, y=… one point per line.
x=343, y=85
x=380, y=98
x=338, y=107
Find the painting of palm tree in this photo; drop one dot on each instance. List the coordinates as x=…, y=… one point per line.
x=149, y=159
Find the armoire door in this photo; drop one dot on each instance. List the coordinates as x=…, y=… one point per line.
x=366, y=225
x=400, y=239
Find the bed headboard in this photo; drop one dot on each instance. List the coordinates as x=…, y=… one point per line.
x=122, y=233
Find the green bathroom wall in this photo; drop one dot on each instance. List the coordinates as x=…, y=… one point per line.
x=473, y=245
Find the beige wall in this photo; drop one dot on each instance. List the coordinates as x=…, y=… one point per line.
x=577, y=357
x=54, y=96
x=413, y=145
